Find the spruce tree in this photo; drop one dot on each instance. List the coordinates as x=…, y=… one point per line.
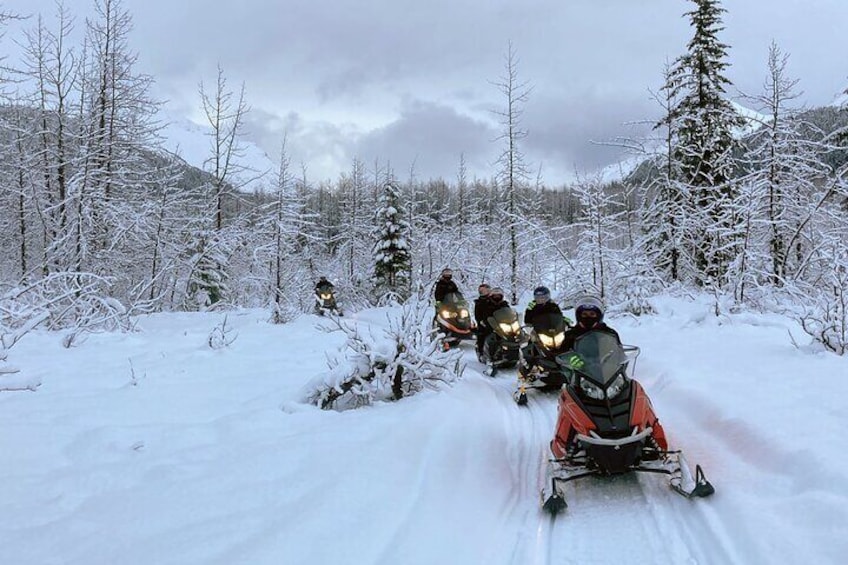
x=392, y=260
x=705, y=122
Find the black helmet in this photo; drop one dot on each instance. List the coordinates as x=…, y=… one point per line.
x=484, y=289
x=496, y=294
x=541, y=294
x=322, y=279
x=589, y=310
x=447, y=273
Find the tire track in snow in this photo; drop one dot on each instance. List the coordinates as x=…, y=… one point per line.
x=529, y=428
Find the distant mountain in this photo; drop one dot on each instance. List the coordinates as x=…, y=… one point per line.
x=192, y=142
x=817, y=124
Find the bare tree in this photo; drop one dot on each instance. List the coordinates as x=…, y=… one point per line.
x=513, y=172
x=225, y=112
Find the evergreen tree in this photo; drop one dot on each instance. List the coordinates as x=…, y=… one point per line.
x=392, y=260
x=705, y=122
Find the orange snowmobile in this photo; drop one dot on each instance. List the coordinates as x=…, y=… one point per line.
x=607, y=426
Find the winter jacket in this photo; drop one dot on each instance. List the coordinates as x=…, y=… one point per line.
x=572, y=334
x=325, y=286
x=484, y=308
x=443, y=288
x=534, y=310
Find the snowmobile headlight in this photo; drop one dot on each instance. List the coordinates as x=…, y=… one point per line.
x=507, y=328
x=546, y=340
x=326, y=296
x=447, y=314
x=558, y=338
x=463, y=313
x=591, y=389
x=516, y=327
x=615, y=388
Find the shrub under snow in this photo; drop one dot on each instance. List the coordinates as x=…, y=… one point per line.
x=400, y=362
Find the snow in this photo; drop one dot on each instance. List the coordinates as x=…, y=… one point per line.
x=840, y=100
x=753, y=120
x=193, y=143
x=151, y=447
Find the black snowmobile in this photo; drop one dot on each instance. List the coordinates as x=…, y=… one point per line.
x=325, y=301
x=452, y=322
x=501, y=348
x=538, y=367
x=606, y=424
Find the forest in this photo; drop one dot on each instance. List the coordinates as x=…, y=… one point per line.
x=99, y=224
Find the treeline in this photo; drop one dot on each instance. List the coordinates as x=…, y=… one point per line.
x=98, y=222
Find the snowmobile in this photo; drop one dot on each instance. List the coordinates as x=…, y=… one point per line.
x=502, y=346
x=538, y=366
x=325, y=301
x=607, y=426
x=452, y=322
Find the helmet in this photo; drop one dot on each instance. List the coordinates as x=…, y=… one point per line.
x=589, y=311
x=322, y=279
x=484, y=289
x=447, y=273
x=541, y=294
x=496, y=294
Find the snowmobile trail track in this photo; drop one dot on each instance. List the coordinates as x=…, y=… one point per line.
x=528, y=428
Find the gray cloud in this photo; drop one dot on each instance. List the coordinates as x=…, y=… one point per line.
x=356, y=78
x=430, y=138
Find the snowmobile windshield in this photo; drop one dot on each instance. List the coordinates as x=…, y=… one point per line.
x=454, y=299
x=505, y=315
x=549, y=323
x=597, y=355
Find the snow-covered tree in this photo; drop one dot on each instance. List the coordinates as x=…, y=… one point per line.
x=665, y=209
x=705, y=122
x=118, y=132
x=513, y=172
x=392, y=259
x=786, y=171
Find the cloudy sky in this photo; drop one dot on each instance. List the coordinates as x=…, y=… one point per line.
x=411, y=82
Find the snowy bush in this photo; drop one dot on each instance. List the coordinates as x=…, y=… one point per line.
x=78, y=302
x=823, y=311
x=283, y=313
x=634, y=285
x=221, y=336
x=401, y=361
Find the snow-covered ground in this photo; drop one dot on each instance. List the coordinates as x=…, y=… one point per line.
x=152, y=448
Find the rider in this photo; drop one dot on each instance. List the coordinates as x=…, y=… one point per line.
x=590, y=316
x=479, y=309
x=541, y=304
x=493, y=302
x=444, y=286
x=323, y=285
